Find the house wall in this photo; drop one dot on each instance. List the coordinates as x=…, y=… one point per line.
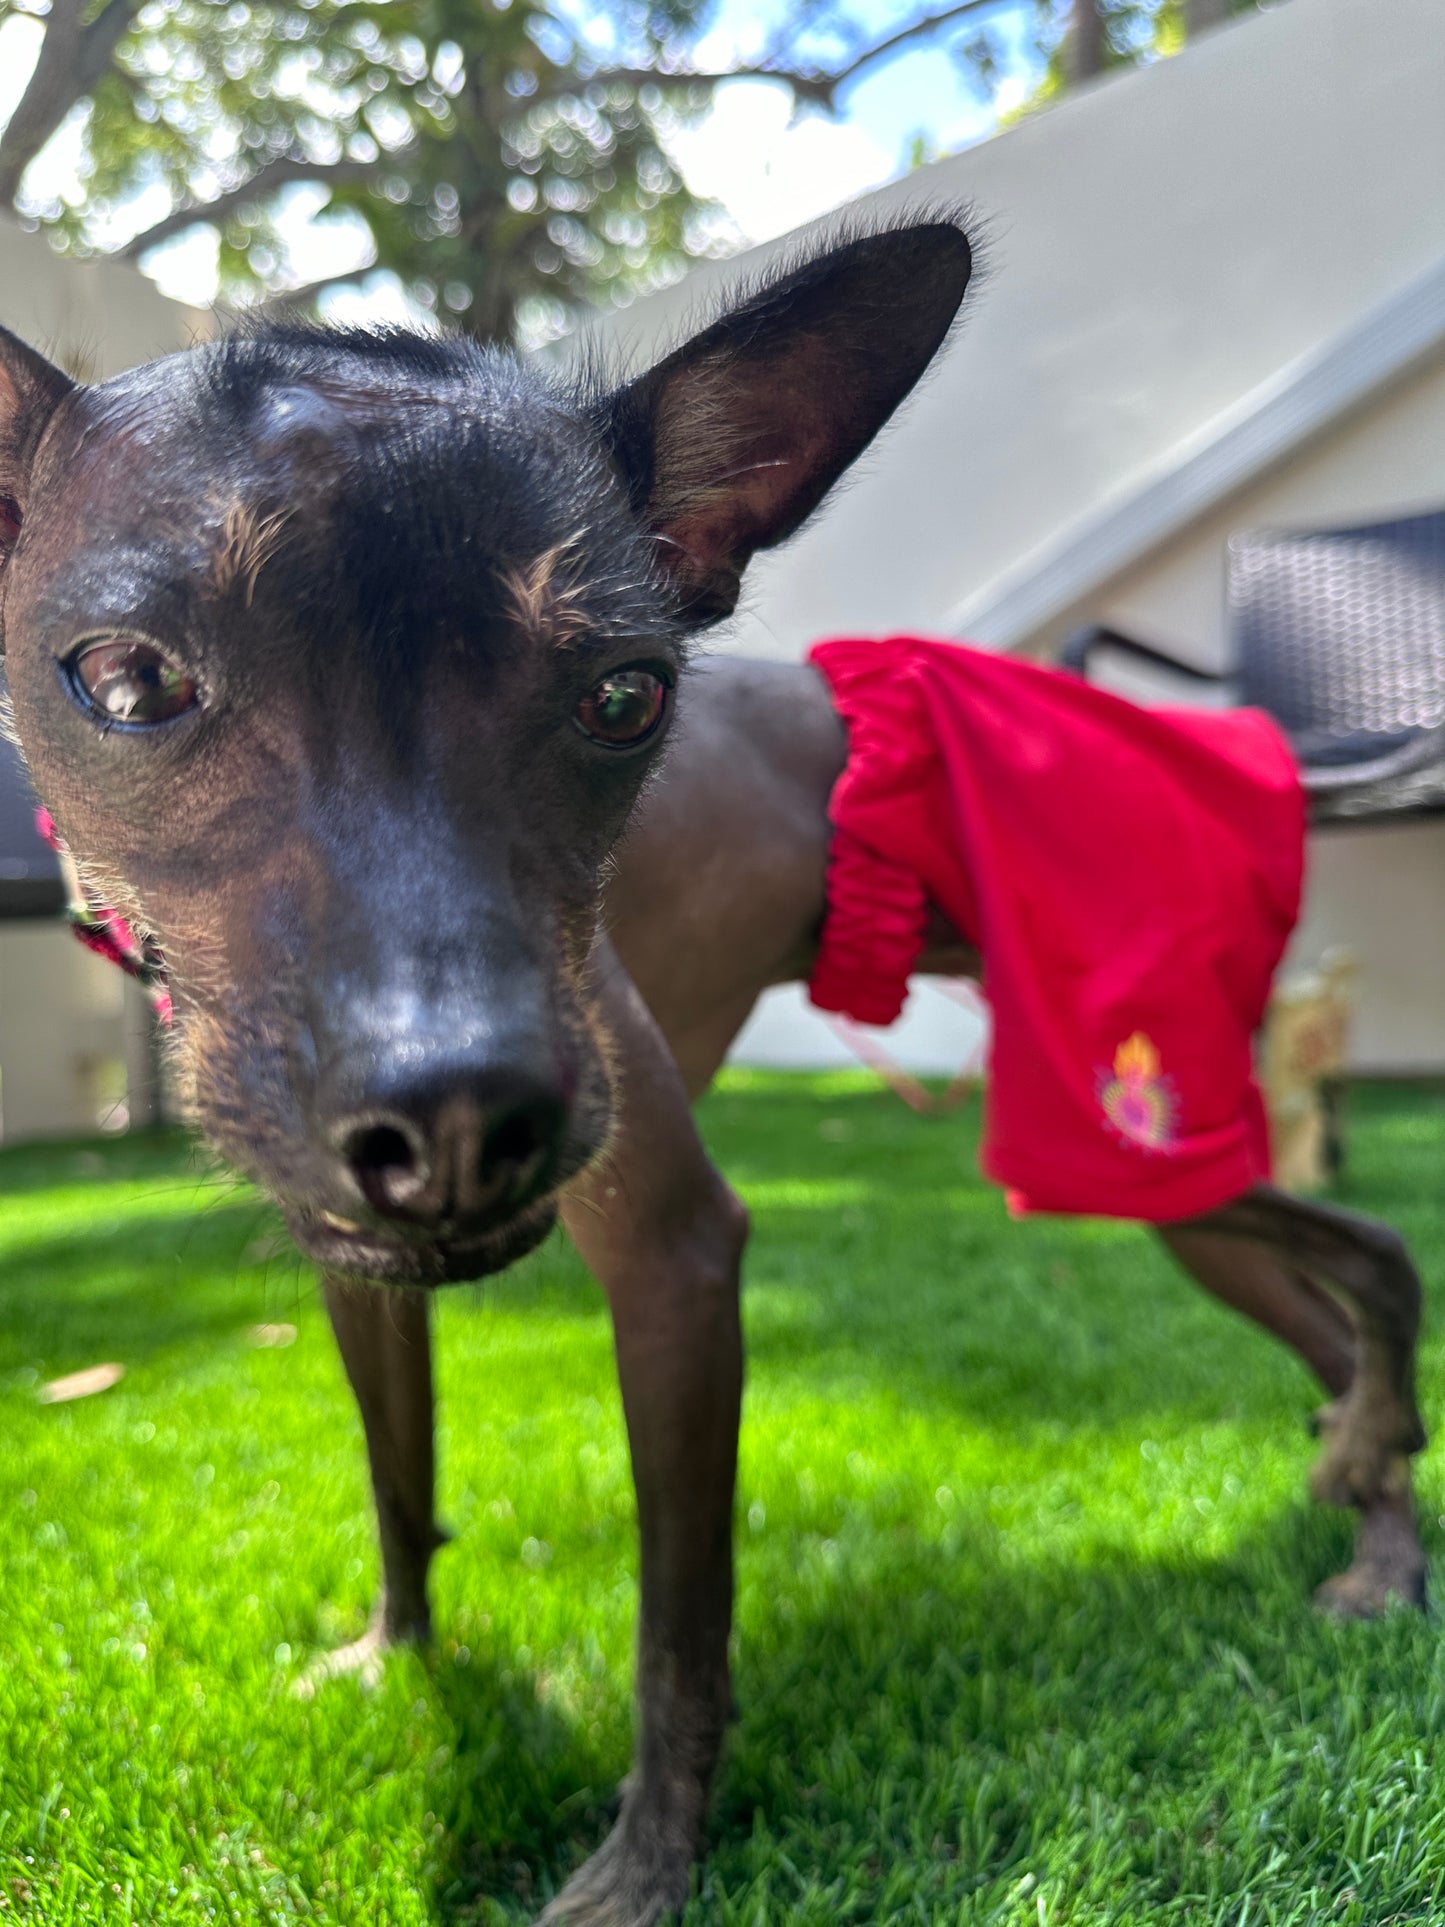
x=92, y=317
x=63, y=1028
x=1380, y=892
x=1158, y=247
x=62, y=1034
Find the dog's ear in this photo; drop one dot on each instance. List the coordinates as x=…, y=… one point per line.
x=30, y=392
x=731, y=442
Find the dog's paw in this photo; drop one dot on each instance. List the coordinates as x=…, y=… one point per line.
x=1370, y=1588
x=1388, y=1568
x=627, y=1883
x=363, y=1660
x=1366, y=1449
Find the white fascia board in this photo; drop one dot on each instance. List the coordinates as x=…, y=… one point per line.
x=1267, y=424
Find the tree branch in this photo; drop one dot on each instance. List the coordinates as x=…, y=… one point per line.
x=101, y=38
x=72, y=59
x=819, y=89
x=291, y=300
x=918, y=31
x=1086, y=42
x=264, y=182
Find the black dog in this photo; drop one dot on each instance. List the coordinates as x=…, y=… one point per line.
x=343, y=662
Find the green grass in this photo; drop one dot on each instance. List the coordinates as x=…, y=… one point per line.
x=1024, y=1565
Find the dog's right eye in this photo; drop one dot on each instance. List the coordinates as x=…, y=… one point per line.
x=624, y=709
x=131, y=682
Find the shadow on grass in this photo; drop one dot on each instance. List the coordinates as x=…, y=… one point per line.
x=949, y=1713
x=831, y=1214
x=526, y=1793
x=819, y=1307
x=140, y=1286
x=101, y=1162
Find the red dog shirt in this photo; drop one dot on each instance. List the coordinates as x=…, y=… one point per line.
x=1129, y=876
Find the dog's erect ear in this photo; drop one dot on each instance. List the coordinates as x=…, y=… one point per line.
x=730, y=443
x=30, y=392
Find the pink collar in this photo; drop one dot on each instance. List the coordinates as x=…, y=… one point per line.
x=105, y=931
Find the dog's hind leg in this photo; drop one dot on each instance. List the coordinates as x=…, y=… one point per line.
x=1284, y=1300
x=1340, y=1289
x=385, y=1344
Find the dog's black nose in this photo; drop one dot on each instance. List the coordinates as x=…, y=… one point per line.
x=455, y=1148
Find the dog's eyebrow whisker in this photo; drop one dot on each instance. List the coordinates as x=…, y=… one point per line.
x=247, y=543
x=754, y=468
x=586, y=1203
x=545, y=597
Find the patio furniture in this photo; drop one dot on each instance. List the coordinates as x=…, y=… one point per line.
x=30, y=882
x=76, y=1048
x=1340, y=635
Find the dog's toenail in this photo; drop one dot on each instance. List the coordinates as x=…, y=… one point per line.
x=339, y=1223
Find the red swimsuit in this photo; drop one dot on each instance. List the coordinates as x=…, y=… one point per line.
x=1130, y=878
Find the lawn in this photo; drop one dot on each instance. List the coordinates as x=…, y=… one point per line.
x=1024, y=1569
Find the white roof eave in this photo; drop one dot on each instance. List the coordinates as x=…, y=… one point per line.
x=1269, y=423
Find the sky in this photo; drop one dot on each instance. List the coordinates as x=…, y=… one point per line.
x=774, y=173
x=771, y=169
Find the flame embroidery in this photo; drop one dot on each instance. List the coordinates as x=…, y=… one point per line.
x=1139, y=1103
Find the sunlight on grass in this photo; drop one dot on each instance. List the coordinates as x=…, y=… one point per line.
x=816, y=1194
x=1024, y=1566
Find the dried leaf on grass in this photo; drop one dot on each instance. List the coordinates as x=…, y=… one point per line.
x=95, y=1378
x=275, y=1335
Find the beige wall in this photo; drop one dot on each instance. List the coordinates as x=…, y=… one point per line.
x=1380, y=892
x=1157, y=247
x=1161, y=246
x=93, y=317
x=63, y=1034
x=1388, y=459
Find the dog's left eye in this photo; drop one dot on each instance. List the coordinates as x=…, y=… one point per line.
x=132, y=682
x=624, y=709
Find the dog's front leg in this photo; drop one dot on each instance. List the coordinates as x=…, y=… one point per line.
x=664, y=1236
x=385, y=1344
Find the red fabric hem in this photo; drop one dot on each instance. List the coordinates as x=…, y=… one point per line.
x=1036, y=1191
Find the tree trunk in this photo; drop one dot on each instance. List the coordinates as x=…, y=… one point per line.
x=1085, y=46
x=72, y=59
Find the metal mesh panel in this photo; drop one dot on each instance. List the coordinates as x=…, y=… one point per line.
x=30, y=884
x=1340, y=635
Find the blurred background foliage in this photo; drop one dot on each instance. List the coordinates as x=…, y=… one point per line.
x=509, y=162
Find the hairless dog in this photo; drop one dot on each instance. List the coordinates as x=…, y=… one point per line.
x=344, y=661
